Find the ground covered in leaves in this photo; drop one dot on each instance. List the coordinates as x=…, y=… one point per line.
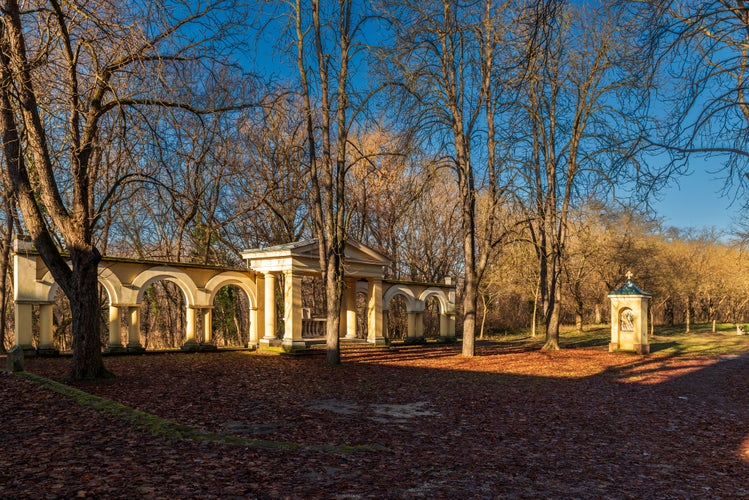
x=399, y=423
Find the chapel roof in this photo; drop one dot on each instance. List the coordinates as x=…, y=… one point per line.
x=629, y=288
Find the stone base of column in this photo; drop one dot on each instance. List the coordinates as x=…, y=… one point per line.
x=642, y=348
x=447, y=340
x=135, y=349
x=207, y=347
x=294, y=345
x=268, y=343
x=29, y=351
x=115, y=349
x=414, y=340
x=251, y=345
x=48, y=352
x=613, y=346
x=190, y=346
x=378, y=341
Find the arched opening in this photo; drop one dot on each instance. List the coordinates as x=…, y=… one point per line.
x=60, y=324
x=230, y=317
x=397, y=318
x=162, y=315
x=431, y=317
x=626, y=320
x=362, y=323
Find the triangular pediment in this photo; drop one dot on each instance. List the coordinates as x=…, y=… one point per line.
x=303, y=256
x=363, y=253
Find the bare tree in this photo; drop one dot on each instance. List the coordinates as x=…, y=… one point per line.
x=9, y=222
x=95, y=64
x=703, y=55
x=326, y=38
x=582, y=101
x=446, y=59
x=273, y=141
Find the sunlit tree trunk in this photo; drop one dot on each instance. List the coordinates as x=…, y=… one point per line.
x=327, y=152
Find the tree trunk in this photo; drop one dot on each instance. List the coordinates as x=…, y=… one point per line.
x=552, y=330
x=333, y=294
x=84, y=306
x=598, y=314
x=652, y=323
x=534, y=316
x=469, y=314
x=688, y=316
x=552, y=320
x=579, y=317
x=483, y=317
x=4, y=264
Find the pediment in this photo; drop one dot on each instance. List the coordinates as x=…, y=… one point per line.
x=304, y=256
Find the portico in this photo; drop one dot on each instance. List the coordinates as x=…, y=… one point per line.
x=295, y=260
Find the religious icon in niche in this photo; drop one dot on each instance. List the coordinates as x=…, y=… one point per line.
x=627, y=321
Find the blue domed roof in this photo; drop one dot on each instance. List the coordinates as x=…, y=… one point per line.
x=629, y=288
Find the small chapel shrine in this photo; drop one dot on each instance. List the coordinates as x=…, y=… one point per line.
x=629, y=318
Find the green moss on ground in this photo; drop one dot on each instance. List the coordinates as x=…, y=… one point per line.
x=163, y=428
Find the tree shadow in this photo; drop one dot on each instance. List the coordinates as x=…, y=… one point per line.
x=659, y=426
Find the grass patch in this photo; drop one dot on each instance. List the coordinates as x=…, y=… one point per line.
x=163, y=428
x=669, y=340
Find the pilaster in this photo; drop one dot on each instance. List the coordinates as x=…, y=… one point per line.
x=133, y=329
x=191, y=343
x=24, y=331
x=115, y=330
x=208, y=343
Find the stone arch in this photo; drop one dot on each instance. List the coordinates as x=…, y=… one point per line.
x=159, y=273
x=439, y=294
x=403, y=290
x=231, y=278
x=107, y=279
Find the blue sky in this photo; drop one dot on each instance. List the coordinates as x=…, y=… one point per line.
x=696, y=200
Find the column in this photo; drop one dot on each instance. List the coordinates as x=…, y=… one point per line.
x=292, y=312
x=447, y=327
x=411, y=325
x=257, y=315
x=190, y=341
x=115, y=330
x=24, y=332
x=254, y=336
x=133, y=330
x=374, y=312
x=270, y=311
x=350, y=302
x=46, y=343
x=415, y=325
x=208, y=326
